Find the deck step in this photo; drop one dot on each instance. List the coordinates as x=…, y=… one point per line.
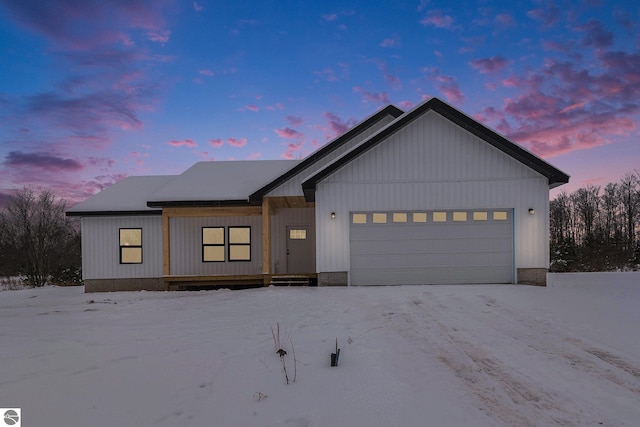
x=290, y=281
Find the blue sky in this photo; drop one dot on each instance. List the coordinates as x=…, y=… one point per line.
x=93, y=91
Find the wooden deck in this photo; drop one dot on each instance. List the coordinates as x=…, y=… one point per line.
x=193, y=282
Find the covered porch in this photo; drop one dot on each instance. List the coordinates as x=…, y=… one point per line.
x=280, y=247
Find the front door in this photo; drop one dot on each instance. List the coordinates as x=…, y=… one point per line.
x=298, y=249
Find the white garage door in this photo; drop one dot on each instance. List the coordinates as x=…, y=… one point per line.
x=431, y=247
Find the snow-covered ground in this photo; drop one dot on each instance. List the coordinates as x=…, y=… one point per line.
x=483, y=355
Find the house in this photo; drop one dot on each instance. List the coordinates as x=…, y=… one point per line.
x=428, y=196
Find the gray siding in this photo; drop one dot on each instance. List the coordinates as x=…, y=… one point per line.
x=186, y=246
x=432, y=164
x=292, y=187
x=101, y=247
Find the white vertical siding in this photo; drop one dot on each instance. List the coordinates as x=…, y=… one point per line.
x=101, y=247
x=186, y=246
x=279, y=222
x=292, y=187
x=432, y=164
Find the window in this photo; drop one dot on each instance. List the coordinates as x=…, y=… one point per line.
x=479, y=216
x=213, y=244
x=239, y=243
x=460, y=216
x=131, y=246
x=379, y=218
x=297, y=234
x=400, y=217
x=499, y=216
x=439, y=217
x=359, y=218
x=420, y=217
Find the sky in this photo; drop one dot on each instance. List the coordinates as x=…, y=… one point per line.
x=94, y=91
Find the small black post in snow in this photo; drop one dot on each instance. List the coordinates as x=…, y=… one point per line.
x=335, y=356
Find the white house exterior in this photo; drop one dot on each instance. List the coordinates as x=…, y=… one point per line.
x=429, y=196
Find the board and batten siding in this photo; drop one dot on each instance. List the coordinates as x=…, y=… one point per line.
x=281, y=219
x=101, y=247
x=292, y=187
x=186, y=246
x=432, y=164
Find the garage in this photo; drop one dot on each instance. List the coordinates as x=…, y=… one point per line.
x=431, y=247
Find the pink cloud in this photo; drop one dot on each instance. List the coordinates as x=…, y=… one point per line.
x=548, y=16
x=288, y=133
x=253, y=108
x=337, y=126
x=406, y=104
x=206, y=72
x=237, y=142
x=378, y=97
x=393, y=41
x=183, y=142
x=391, y=79
x=197, y=7
x=490, y=65
x=564, y=107
x=159, y=36
x=505, y=20
x=327, y=74
x=40, y=161
x=596, y=35
x=217, y=143
x=330, y=17
x=87, y=25
x=277, y=106
x=436, y=18
x=446, y=84
x=291, y=150
x=254, y=156
x=294, y=120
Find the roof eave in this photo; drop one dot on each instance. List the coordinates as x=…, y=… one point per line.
x=199, y=203
x=150, y=212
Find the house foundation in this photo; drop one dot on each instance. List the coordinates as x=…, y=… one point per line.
x=532, y=276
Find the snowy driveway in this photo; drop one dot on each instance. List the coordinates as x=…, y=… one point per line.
x=410, y=356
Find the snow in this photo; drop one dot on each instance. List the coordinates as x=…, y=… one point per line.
x=489, y=355
x=130, y=194
x=225, y=180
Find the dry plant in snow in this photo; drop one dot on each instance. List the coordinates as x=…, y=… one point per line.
x=282, y=352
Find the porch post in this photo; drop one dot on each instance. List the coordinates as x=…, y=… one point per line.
x=266, y=236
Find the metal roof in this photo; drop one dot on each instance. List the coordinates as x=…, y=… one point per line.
x=219, y=183
x=126, y=197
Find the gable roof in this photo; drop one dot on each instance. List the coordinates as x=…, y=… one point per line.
x=218, y=183
x=328, y=148
x=555, y=176
x=126, y=197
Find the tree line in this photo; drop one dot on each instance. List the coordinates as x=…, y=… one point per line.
x=37, y=241
x=597, y=229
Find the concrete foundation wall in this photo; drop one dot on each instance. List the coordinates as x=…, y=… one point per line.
x=333, y=278
x=117, y=285
x=532, y=276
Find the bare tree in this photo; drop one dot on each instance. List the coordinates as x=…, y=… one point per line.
x=630, y=198
x=38, y=240
x=587, y=202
